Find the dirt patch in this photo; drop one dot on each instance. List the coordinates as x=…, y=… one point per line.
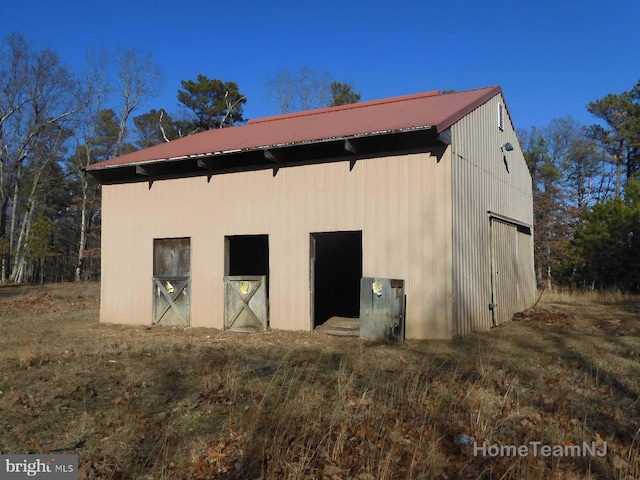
x=546, y=316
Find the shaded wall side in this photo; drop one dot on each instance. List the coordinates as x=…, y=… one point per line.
x=482, y=182
x=401, y=203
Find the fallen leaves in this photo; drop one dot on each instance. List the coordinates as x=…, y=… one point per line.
x=331, y=470
x=197, y=403
x=398, y=437
x=221, y=455
x=548, y=317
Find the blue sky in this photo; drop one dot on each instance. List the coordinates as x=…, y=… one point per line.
x=550, y=57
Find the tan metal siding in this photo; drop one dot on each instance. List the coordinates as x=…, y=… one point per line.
x=511, y=248
x=481, y=183
x=526, y=274
x=504, y=244
x=401, y=203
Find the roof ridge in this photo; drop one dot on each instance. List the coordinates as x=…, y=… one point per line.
x=350, y=106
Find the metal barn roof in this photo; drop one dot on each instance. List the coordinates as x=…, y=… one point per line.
x=366, y=128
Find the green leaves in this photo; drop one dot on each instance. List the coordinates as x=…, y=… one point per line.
x=343, y=94
x=155, y=127
x=607, y=241
x=214, y=103
x=621, y=136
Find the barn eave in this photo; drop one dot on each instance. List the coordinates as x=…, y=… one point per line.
x=344, y=148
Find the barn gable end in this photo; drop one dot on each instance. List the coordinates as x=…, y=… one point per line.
x=489, y=182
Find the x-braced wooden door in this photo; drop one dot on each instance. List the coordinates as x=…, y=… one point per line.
x=171, y=281
x=245, y=306
x=171, y=300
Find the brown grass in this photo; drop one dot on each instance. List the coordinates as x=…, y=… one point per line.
x=589, y=296
x=191, y=403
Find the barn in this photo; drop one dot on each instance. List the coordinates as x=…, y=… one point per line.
x=290, y=221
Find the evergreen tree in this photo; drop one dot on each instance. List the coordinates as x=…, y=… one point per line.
x=343, y=94
x=214, y=103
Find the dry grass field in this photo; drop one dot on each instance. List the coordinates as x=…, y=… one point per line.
x=192, y=403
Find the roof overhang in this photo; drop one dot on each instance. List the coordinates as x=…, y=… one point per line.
x=344, y=148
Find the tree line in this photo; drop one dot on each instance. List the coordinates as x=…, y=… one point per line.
x=54, y=122
x=586, y=192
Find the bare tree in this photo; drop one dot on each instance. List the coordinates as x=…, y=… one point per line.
x=94, y=89
x=307, y=90
x=139, y=78
x=579, y=160
x=36, y=95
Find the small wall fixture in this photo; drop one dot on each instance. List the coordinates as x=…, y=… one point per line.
x=506, y=147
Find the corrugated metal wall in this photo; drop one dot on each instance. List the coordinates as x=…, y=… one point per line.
x=484, y=178
x=512, y=283
x=402, y=204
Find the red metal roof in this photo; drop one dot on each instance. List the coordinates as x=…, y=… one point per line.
x=396, y=114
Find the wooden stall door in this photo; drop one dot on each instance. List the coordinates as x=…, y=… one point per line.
x=245, y=306
x=171, y=281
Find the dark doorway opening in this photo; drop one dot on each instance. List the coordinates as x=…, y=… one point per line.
x=336, y=270
x=246, y=255
x=246, y=283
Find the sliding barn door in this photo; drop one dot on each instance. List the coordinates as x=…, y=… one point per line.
x=512, y=277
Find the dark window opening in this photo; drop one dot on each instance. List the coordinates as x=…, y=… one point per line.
x=247, y=255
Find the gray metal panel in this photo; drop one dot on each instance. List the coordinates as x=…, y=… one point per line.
x=382, y=305
x=245, y=306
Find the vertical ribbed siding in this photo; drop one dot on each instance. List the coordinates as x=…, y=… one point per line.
x=401, y=204
x=481, y=183
x=511, y=247
x=526, y=274
x=505, y=260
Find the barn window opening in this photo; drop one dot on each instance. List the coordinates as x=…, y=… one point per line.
x=336, y=271
x=246, y=282
x=247, y=255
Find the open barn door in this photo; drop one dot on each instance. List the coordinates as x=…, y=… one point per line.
x=335, y=273
x=171, y=281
